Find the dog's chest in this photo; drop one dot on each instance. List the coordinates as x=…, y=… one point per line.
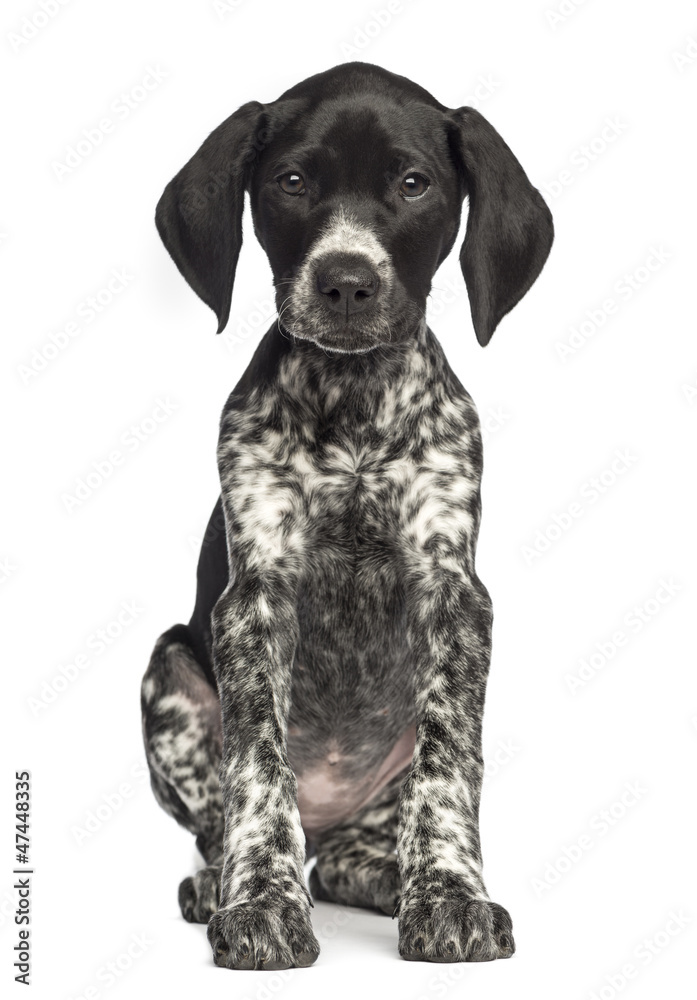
x=350, y=483
x=327, y=491
x=351, y=720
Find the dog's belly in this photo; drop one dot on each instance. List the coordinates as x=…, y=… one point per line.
x=327, y=795
x=351, y=725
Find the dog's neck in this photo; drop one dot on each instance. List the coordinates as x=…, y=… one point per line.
x=344, y=386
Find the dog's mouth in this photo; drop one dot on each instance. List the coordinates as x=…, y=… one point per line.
x=357, y=335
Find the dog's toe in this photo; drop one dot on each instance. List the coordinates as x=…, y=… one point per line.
x=388, y=888
x=317, y=888
x=268, y=937
x=198, y=896
x=458, y=930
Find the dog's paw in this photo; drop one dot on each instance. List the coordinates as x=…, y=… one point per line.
x=453, y=930
x=388, y=887
x=382, y=893
x=199, y=896
x=262, y=935
x=318, y=890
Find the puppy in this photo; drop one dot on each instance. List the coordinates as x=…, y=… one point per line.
x=327, y=695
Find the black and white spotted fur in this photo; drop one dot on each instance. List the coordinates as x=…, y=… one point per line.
x=327, y=695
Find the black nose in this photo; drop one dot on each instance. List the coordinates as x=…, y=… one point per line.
x=347, y=290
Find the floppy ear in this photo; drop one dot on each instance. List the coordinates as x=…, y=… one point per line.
x=199, y=216
x=509, y=228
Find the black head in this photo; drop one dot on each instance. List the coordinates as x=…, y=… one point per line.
x=357, y=179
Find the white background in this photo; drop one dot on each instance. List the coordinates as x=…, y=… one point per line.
x=615, y=77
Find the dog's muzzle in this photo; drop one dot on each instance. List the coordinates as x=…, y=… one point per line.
x=340, y=296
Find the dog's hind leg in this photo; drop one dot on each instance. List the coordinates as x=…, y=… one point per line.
x=357, y=861
x=182, y=735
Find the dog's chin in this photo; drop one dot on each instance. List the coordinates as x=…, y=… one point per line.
x=342, y=338
x=345, y=345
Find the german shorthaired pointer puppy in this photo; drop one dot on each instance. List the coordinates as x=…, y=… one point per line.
x=326, y=697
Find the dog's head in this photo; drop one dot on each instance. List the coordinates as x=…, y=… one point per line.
x=356, y=179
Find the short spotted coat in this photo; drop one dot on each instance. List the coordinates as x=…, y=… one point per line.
x=326, y=697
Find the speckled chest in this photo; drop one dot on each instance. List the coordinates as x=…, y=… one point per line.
x=330, y=474
x=352, y=673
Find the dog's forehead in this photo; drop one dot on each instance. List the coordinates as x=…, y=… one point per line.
x=360, y=133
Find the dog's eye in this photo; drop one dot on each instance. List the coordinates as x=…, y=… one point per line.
x=414, y=185
x=292, y=183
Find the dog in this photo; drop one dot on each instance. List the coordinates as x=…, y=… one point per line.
x=326, y=697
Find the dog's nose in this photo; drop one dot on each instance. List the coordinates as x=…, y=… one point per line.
x=347, y=291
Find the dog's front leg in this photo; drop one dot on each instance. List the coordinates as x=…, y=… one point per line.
x=263, y=921
x=445, y=914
